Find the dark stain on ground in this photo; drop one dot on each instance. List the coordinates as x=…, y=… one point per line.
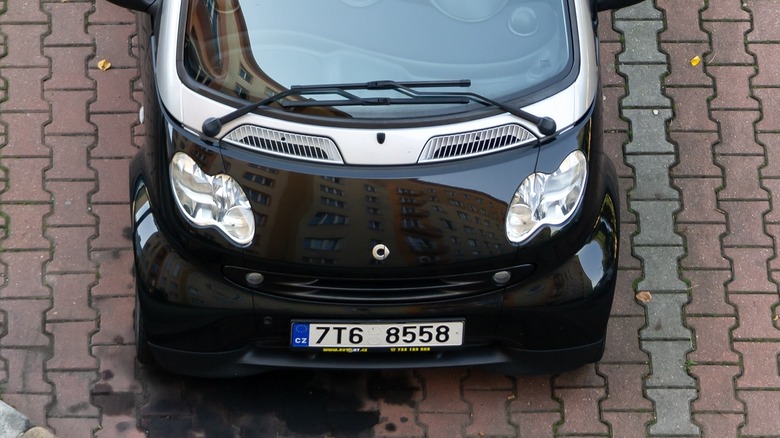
x=102, y=388
x=393, y=387
x=165, y=427
x=78, y=407
x=294, y=403
x=123, y=426
x=118, y=403
x=298, y=402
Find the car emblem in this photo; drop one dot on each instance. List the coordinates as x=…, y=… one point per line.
x=380, y=252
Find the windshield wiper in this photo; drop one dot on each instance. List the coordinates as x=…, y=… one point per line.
x=213, y=125
x=545, y=125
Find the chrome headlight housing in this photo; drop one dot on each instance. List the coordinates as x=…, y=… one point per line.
x=211, y=201
x=547, y=199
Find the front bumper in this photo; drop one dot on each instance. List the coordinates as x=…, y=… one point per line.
x=199, y=323
x=251, y=360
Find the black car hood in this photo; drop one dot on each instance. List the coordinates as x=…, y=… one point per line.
x=447, y=215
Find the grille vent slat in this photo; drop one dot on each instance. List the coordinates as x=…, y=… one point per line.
x=379, y=289
x=323, y=149
x=466, y=144
x=386, y=290
x=287, y=144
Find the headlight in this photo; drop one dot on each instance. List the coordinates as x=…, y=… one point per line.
x=211, y=201
x=547, y=199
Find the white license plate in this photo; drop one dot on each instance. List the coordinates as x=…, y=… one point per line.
x=401, y=336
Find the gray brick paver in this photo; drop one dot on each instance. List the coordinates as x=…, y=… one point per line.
x=665, y=318
x=652, y=177
x=660, y=268
x=640, y=42
x=673, y=414
x=641, y=11
x=644, y=81
x=656, y=219
x=669, y=366
x=648, y=131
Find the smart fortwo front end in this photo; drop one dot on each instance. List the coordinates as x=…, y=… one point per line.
x=372, y=184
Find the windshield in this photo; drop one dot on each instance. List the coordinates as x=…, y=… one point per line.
x=252, y=49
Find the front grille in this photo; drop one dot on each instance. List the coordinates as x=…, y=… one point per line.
x=378, y=290
x=287, y=144
x=466, y=144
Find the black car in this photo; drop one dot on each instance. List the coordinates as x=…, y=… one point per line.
x=372, y=184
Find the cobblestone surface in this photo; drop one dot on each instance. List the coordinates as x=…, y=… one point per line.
x=696, y=148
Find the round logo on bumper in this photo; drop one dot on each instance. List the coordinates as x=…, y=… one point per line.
x=380, y=252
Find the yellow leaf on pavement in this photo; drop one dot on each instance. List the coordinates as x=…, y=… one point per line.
x=695, y=61
x=644, y=296
x=103, y=64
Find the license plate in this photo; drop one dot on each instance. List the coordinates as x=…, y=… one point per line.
x=356, y=337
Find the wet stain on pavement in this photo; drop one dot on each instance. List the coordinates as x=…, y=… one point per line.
x=393, y=387
x=120, y=403
x=290, y=403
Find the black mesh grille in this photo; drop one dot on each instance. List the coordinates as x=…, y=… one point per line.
x=385, y=290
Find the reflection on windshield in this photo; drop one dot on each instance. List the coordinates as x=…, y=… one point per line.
x=216, y=50
x=253, y=49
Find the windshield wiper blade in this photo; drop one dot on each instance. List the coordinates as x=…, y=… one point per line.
x=385, y=85
x=350, y=99
x=546, y=125
x=369, y=101
x=213, y=125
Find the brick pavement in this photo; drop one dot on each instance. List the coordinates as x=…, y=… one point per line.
x=696, y=148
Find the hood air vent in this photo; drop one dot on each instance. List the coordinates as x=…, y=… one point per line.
x=287, y=144
x=467, y=144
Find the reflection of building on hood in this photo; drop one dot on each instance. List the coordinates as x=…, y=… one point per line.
x=578, y=284
x=341, y=219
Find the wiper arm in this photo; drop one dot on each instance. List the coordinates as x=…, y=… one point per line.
x=546, y=125
x=213, y=125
